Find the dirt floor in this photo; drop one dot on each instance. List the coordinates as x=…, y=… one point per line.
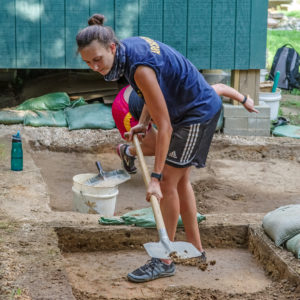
x=105, y=273
x=244, y=179
x=227, y=185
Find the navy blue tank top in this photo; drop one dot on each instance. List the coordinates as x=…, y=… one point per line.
x=189, y=98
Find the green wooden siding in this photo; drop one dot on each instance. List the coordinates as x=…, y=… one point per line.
x=199, y=33
x=242, y=45
x=7, y=34
x=53, y=37
x=213, y=34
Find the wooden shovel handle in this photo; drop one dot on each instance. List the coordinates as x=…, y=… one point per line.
x=153, y=200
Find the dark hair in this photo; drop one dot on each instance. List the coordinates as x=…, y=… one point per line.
x=96, y=31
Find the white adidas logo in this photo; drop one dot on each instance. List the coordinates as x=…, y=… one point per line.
x=173, y=154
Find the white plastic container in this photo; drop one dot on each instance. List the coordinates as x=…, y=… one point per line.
x=98, y=199
x=263, y=73
x=272, y=100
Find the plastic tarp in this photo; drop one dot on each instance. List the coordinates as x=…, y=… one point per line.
x=92, y=116
x=282, y=223
x=141, y=218
x=11, y=116
x=45, y=118
x=287, y=131
x=293, y=245
x=52, y=101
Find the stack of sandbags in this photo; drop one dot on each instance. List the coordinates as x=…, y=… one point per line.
x=282, y=225
x=57, y=110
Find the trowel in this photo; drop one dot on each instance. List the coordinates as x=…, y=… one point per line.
x=164, y=248
x=115, y=176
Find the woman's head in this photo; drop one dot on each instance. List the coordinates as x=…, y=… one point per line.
x=97, y=45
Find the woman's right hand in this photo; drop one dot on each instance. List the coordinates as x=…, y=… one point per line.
x=139, y=130
x=249, y=105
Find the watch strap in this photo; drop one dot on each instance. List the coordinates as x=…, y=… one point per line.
x=244, y=100
x=156, y=175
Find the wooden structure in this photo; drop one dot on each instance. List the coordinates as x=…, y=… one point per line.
x=213, y=34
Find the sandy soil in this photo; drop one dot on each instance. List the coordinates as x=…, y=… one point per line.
x=105, y=273
x=246, y=175
x=227, y=185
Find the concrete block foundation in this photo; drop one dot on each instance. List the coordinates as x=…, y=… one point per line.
x=238, y=121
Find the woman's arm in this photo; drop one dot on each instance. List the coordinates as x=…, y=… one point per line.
x=146, y=80
x=227, y=91
x=145, y=117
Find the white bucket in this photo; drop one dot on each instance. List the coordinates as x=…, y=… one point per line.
x=272, y=100
x=263, y=73
x=98, y=199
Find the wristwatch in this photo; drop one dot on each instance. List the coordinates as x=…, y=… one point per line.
x=156, y=175
x=245, y=99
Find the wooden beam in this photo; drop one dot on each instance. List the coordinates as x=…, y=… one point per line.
x=235, y=83
x=247, y=83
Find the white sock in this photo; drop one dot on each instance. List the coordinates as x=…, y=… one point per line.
x=127, y=152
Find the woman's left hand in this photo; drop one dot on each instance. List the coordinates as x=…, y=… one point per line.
x=249, y=105
x=154, y=189
x=139, y=130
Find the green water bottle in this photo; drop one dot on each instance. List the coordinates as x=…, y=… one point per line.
x=16, y=153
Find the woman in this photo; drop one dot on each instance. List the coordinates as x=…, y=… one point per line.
x=185, y=110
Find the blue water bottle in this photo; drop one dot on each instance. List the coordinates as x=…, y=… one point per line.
x=16, y=153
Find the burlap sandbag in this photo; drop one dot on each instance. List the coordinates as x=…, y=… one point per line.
x=91, y=116
x=10, y=116
x=293, y=245
x=52, y=101
x=45, y=118
x=282, y=223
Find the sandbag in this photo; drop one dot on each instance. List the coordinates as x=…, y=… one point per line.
x=293, y=245
x=78, y=102
x=141, y=218
x=282, y=223
x=11, y=116
x=91, y=116
x=45, y=118
x=52, y=101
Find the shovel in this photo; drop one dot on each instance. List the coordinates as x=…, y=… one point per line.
x=164, y=248
x=115, y=176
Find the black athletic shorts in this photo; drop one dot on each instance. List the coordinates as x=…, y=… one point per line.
x=190, y=144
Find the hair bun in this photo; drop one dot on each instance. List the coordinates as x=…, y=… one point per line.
x=96, y=19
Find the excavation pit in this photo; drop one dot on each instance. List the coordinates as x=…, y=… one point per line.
x=237, y=179
x=43, y=239
x=242, y=264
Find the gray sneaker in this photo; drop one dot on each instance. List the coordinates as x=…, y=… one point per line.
x=153, y=269
x=128, y=161
x=202, y=257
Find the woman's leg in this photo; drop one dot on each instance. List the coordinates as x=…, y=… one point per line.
x=188, y=210
x=170, y=205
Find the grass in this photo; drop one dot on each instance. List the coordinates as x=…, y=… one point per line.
x=294, y=92
x=294, y=14
x=291, y=103
x=293, y=118
x=278, y=38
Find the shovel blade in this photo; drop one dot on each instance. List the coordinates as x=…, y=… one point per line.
x=182, y=250
x=114, y=178
x=94, y=180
